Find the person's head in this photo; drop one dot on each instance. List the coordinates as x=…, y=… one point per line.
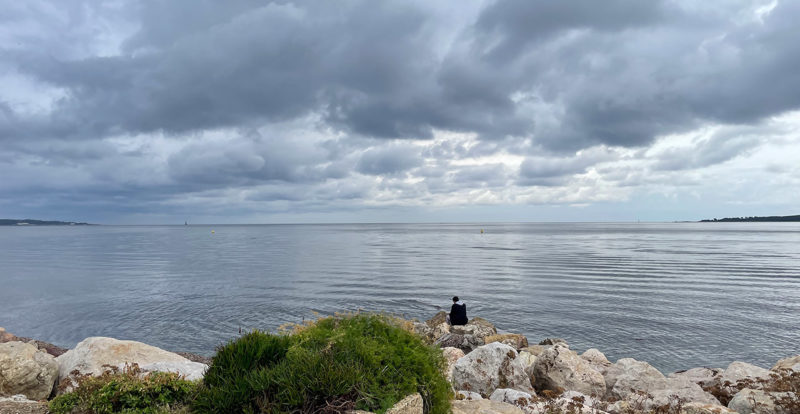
x=455, y=299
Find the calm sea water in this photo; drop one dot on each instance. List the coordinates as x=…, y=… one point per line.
x=677, y=295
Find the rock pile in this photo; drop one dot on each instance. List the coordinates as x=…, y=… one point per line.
x=502, y=373
x=29, y=372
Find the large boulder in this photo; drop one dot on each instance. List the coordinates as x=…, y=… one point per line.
x=629, y=376
x=484, y=407
x=478, y=327
x=558, y=367
x=639, y=381
x=596, y=360
x=490, y=367
x=704, y=377
x=791, y=363
x=94, y=356
x=26, y=370
x=451, y=355
x=683, y=390
x=739, y=371
x=749, y=401
x=465, y=343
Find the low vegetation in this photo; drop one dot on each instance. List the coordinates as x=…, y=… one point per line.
x=127, y=391
x=335, y=364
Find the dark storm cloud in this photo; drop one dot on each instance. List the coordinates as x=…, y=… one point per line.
x=619, y=74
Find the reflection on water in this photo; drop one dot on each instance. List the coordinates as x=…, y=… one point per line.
x=676, y=294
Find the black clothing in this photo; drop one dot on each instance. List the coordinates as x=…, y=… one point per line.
x=458, y=314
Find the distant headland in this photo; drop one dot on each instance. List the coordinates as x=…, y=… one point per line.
x=32, y=222
x=762, y=219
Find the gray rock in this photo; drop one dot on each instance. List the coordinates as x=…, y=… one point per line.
x=704, y=377
x=467, y=395
x=515, y=341
x=529, y=361
x=438, y=319
x=490, y=367
x=791, y=363
x=516, y=397
x=558, y=367
x=26, y=370
x=700, y=408
x=465, y=343
x=451, y=355
x=750, y=401
x=484, y=407
x=553, y=341
x=738, y=371
x=478, y=327
x=628, y=376
x=536, y=350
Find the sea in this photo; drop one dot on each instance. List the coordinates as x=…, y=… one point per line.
x=677, y=295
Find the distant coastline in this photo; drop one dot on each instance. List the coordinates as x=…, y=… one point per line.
x=32, y=222
x=757, y=219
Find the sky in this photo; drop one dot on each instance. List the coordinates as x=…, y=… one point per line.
x=244, y=111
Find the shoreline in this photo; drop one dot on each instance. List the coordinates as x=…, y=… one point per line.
x=483, y=366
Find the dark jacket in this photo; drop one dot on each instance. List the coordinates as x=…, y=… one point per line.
x=458, y=314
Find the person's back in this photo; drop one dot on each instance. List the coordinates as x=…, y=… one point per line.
x=458, y=312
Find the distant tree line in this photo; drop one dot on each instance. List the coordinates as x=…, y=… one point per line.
x=754, y=218
x=31, y=222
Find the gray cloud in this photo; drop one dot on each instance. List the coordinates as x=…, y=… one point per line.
x=391, y=159
x=155, y=103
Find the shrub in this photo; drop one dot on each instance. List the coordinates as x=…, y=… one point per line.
x=126, y=391
x=335, y=364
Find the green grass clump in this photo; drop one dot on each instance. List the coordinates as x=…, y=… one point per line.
x=127, y=392
x=364, y=362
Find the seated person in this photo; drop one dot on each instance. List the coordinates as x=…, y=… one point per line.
x=458, y=313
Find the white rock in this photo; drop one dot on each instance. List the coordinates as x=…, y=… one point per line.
x=490, y=367
x=529, y=361
x=451, y=355
x=467, y=395
x=792, y=363
x=738, y=371
x=749, y=401
x=704, y=377
x=484, y=407
x=191, y=371
x=26, y=370
x=558, y=367
x=627, y=376
x=91, y=354
x=683, y=389
x=507, y=395
x=595, y=357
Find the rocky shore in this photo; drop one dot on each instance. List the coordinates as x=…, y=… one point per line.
x=490, y=372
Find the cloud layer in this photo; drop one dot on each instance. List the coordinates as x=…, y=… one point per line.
x=260, y=111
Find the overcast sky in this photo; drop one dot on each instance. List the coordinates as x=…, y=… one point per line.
x=398, y=111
